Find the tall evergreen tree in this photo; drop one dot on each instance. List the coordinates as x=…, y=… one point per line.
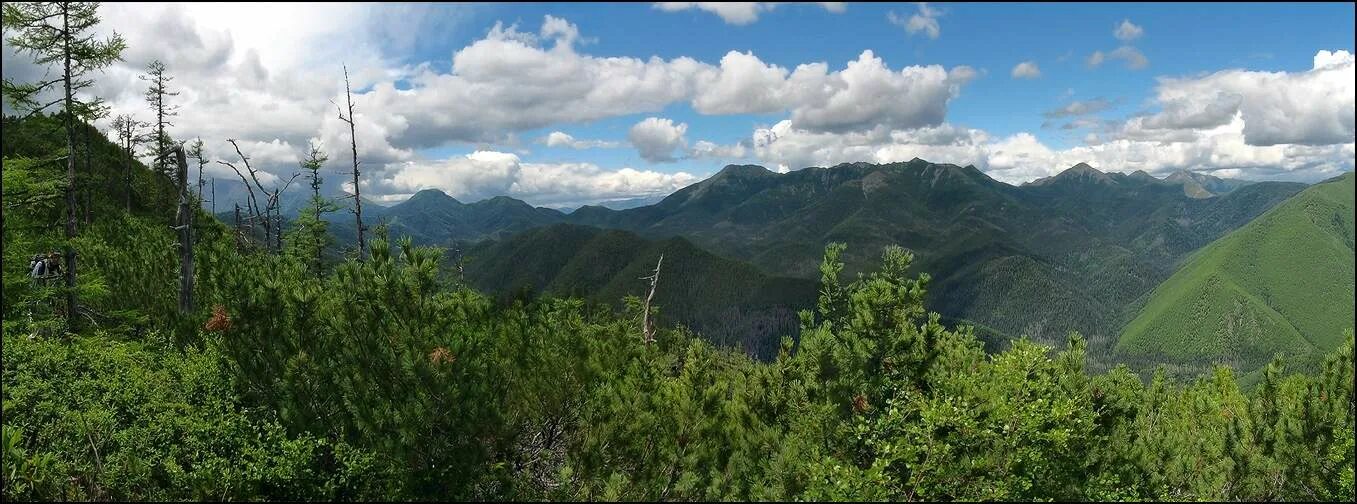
x=129, y=137
x=157, y=90
x=195, y=151
x=310, y=237
x=60, y=33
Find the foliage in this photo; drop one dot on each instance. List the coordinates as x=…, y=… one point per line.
x=97, y=418
x=58, y=34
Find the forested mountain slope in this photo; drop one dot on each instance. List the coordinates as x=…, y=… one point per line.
x=726, y=301
x=1282, y=284
x=1023, y=260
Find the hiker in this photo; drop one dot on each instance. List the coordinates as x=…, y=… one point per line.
x=43, y=267
x=53, y=269
x=37, y=267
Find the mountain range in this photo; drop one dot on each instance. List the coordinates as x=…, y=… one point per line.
x=1078, y=251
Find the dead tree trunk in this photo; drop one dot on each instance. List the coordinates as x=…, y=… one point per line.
x=647, y=328
x=251, y=204
x=278, y=237
x=238, y=244
x=353, y=144
x=183, y=223
x=275, y=205
x=201, y=163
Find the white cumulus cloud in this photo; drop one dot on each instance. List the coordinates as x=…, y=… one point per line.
x=1127, y=31
x=924, y=20
x=562, y=139
x=656, y=139
x=1026, y=70
x=1314, y=107
x=484, y=174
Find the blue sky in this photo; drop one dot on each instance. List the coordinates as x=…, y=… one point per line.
x=1181, y=39
x=1178, y=40
x=462, y=97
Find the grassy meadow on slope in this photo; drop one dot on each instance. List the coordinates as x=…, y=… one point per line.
x=1283, y=284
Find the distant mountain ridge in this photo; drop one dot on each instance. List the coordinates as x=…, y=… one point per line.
x=1194, y=184
x=1069, y=252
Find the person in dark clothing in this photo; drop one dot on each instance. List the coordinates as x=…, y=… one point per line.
x=53, y=265
x=37, y=267
x=42, y=268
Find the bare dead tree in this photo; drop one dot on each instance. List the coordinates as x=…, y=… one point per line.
x=278, y=226
x=647, y=327
x=183, y=225
x=275, y=204
x=270, y=215
x=254, y=213
x=461, y=266
x=237, y=228
x=353, y=144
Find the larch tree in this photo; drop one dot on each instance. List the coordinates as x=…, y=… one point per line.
x=314, y=160
x=195, y=152
x=129, y=137
x=60, y=34
x=157, y=90
x=311, y=235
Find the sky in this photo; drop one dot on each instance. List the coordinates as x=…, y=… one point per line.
x=568, y=104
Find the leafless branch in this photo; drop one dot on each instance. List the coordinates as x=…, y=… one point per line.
x=647, y=329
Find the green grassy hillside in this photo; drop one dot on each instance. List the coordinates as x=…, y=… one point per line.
x=1280, y=285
